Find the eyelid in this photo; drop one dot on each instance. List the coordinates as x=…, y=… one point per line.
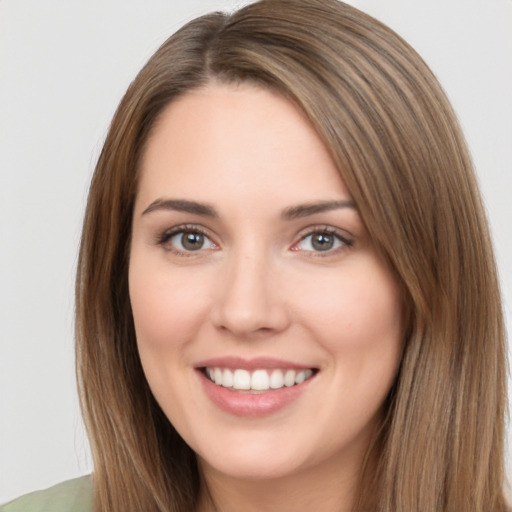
x=164, y=236
x=343, y=236
x=346, y=239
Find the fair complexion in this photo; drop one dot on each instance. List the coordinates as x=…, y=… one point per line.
x=249, y=260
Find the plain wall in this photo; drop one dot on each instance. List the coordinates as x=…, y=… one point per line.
x=64, y=65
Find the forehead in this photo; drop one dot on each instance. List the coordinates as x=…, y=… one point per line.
x=236, y=141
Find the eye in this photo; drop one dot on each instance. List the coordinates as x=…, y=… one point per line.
x=190, y=241
x=186, y=240
x=325, y=240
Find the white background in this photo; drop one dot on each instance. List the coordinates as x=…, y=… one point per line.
x=64, y=65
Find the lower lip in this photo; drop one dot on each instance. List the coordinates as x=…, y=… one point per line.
x=249, y=404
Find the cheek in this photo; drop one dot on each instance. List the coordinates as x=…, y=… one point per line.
x=372, y=314
x=167, y=309
x=358, y=321
x=358, y=312
x=167, y=312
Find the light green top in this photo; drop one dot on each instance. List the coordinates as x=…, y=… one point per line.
x=71, y=496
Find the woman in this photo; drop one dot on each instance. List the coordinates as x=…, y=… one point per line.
x=286, y=295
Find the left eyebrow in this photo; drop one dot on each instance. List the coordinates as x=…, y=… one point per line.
x=304, y=210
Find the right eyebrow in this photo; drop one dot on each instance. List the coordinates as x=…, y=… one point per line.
x=304, y=210
x=181, y=205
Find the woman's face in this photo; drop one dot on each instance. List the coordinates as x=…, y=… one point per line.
x=269, y=330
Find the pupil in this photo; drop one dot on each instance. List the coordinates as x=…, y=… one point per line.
x=322, y=242
x=192, y=241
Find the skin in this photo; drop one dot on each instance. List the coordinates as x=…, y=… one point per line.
x=259, y=287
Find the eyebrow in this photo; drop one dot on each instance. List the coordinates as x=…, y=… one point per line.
x=182, y=205
x=290, y=213
x=304, y=210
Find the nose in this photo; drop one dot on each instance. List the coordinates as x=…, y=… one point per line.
x=248, y=300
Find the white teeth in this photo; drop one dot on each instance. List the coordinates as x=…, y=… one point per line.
x=227, y=378
x=241, y=379
x=302, y=376
x=276, y=379
x=259, y=380
x=289, y=378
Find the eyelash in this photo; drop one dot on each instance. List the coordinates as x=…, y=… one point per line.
x=163, y=238
x=345, y=241
x=341, y=237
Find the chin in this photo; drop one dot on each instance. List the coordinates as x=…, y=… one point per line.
x=254, y=468
x=258, y=459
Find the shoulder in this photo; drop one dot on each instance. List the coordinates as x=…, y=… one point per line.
x=70, y=496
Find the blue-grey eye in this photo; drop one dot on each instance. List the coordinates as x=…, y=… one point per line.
x=320, y=242
x=190, y=241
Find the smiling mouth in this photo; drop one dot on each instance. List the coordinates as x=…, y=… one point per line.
x=258, y=380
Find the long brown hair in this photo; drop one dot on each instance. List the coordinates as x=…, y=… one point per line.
x=398, y=147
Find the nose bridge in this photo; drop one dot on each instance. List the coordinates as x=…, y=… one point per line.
x=248, y=300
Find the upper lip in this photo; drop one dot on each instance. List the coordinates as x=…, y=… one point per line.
x=256, y=363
